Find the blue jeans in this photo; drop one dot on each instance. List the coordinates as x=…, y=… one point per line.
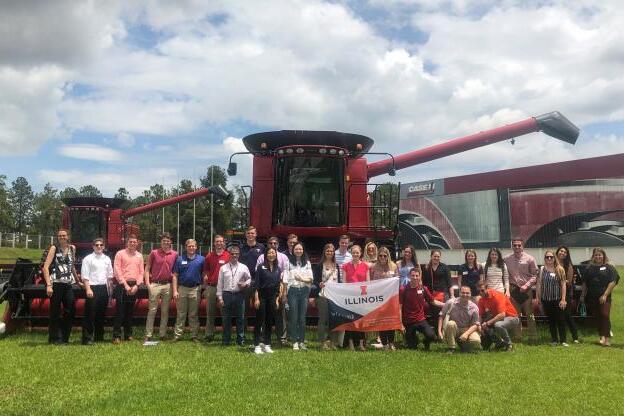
x=233, y=306
x=298, y=305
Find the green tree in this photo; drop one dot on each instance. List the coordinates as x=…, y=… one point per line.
x=21, y=201
x=68, y=192
x=122, y=193
x=90, y=190
x=6, y=218
x=48, y=210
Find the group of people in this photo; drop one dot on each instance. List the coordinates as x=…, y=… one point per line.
x=280, y=285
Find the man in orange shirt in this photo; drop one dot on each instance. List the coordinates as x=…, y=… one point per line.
x=498, y=316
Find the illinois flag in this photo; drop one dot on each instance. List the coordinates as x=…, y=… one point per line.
x=365, y=306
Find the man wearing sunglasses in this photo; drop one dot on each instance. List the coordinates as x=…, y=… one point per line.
x=96, y=273
x=498, y=314
x=522, y=270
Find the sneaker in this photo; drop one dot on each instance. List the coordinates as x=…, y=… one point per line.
x=130, y=338
x=176, y=338
x=509, y=347
x=576, y=341
x=147, y=339
x=295, y=346
x=116, y=341
x=450, y=351
x=267, y=349
x=565, y=344
x=258, y=350
x=302, y=346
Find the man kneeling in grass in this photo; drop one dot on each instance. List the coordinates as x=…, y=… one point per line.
x=498, y=317
x=414, y=296
x=462, y=325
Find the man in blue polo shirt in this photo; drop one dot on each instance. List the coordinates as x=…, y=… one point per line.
x=187, y=277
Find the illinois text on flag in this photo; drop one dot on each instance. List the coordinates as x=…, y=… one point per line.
x=365, y=306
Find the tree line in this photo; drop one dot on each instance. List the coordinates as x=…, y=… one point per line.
x=24, y=211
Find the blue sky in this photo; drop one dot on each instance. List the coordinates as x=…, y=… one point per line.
x=132, y=93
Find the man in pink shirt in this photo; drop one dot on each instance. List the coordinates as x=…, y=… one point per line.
x=522, y=277
x=129, y=270
x=158, y=272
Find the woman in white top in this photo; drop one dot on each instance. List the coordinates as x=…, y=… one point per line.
x=495, y=272
x=298, y=278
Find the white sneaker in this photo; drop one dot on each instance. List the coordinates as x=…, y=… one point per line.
x=302, y=346
x=295, y=346
x=258, y=349
x=565, y=344
x=267, y=349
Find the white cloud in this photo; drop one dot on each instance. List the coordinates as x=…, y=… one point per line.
x=93, y=152
x=28, y=104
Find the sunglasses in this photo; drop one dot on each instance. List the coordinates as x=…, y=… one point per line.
x=549, y=257
x=383, y=255
x=99, y=245
x=517, y=245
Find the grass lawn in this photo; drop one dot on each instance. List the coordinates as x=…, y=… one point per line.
x=186, y=378
x=8, y=254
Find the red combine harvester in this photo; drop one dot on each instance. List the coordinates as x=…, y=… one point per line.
x=87, y=218
x=315, y=184
x=311, y=183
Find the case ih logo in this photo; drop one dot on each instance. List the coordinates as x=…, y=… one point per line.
x=421, y=189
x=363, y=290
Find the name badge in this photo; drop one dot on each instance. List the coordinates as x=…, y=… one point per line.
x=184, y=262
x=464, y=273
x=221, y=261
x=552, y=274
x=419, y=291
x=603, y=268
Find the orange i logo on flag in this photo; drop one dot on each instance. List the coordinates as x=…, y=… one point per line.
x=363, y=290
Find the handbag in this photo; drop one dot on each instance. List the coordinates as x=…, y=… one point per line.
x=582, y=310
x=436, y=294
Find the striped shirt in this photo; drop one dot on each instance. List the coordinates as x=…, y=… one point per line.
x=343, y=258
x=550, y=285
x=497, y=278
